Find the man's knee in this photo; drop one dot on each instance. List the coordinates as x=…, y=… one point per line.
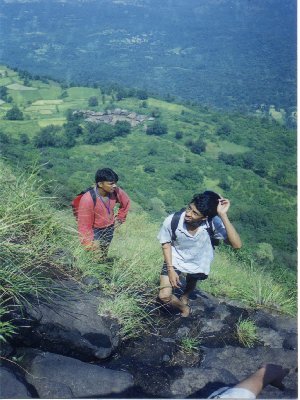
x=164, y=297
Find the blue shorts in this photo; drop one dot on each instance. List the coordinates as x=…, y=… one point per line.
x=200, y=276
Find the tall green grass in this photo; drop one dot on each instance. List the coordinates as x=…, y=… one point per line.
x=38, y=241
x=32, y=239
x=132, y=279
x=250, y=283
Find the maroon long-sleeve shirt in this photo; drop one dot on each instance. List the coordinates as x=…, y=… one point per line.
x=101, y=215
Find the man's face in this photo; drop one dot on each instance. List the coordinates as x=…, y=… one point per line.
x=192, y=215
x=107, y=186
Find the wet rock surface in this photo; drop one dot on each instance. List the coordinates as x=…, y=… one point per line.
x=178, y=358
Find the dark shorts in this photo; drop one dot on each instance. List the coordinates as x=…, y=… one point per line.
x=200, y=276
x=104, y=235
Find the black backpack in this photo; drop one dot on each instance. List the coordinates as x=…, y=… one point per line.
x=210, y=229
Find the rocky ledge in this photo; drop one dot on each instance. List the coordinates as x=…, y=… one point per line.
x=64, y=349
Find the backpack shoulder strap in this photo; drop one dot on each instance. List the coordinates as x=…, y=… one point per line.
x=93, y=195
x=211, y=231
x=94, y=198
x=174, y=223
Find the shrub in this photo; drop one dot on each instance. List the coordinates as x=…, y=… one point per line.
x=198, y=147
x=152, y=151
x=224, y=130
x=142, y=94
x=14, y=114
x=4, y=138
x=122, y=128
x=48, y=137
x=188, y=176
x=24, y=139
x=93, y=101
x=189, y=344
x=155, y=113
x=98, y=133
x=157, y=128
x=149, y=169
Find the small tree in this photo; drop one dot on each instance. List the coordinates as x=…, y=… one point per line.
x=14, y=114
x=93, y=101
x=224, y=130
x=198, y=147
x=72, y=128
x=24, y=139
x=3, y=93
x=63, y=94
x=47, y=137
x=149, y=169
x=121, y=94
x=157, y=128
x=122, y=128
x=143, y=104
x=152, y=151
x=155, y=113
x=4, y=138
x=142, y=94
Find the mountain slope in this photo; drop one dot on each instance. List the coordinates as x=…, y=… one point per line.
x=230, y=54
x=250, y=160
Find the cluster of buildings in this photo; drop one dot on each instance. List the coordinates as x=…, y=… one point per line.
x=113, y=116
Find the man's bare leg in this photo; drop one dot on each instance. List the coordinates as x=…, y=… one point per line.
x=166, y=296
x=191, y=284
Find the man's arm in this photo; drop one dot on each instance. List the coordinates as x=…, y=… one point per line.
x=233, y=237
x=173, y=276
x=124, y=201
x=268, y=374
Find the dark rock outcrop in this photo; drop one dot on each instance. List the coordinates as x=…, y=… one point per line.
x=159, y=364
x=162, y=367
x=56, y=376
x=11, y=386
x=69, y=324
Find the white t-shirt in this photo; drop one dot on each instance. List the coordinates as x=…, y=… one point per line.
x=232, y=393
x=191, y=254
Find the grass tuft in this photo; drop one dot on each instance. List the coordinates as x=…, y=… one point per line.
x=246, y=332
x=189, y=344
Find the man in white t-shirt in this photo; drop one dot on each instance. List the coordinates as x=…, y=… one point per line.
x=192, y=252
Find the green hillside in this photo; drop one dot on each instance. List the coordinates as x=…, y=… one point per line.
x=40, y=243
x=231, y=54
x=249, y=159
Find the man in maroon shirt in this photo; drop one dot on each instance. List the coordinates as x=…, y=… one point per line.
x=96, y=222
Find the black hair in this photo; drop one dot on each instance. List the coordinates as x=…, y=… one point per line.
x=106, y=174
x=207, y=203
